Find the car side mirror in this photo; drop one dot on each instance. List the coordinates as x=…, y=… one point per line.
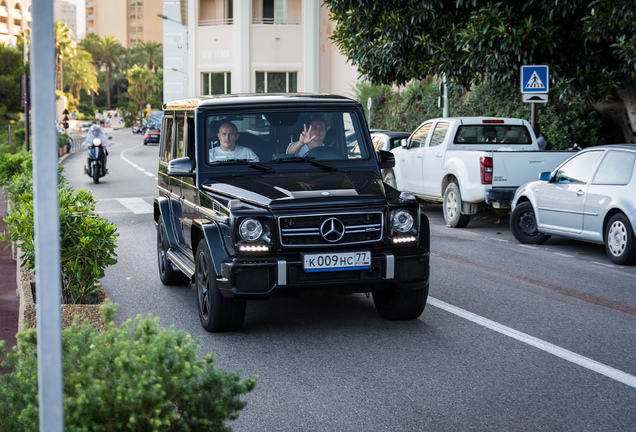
x=545, y=176
x=404, y=143
x=387, y=159
x=181, y=167
x=110, y=137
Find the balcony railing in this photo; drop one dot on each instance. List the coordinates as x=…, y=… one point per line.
x=3, y=11
x=4, y=28
x=275, y=21
x=216, y=22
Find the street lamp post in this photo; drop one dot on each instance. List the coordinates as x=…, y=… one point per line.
x=173, y=55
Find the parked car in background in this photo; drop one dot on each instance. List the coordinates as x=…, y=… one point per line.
x=590, y=197
x=151, y=135
x=387, y=140
x=469, y=162
x=86, y=126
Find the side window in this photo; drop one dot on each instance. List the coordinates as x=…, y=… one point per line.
x=439, y=134
x=578, y=169
x=420, y=135
x=180, y=129
x=166, y=134
x=616, y=168
x=190, y=137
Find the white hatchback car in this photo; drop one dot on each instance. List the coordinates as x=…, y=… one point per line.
x=590, y=197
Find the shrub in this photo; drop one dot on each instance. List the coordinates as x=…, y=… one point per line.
x=417, y=102
x=62, y=140
x=10, y=164
x=135, y=377
x=87, y=242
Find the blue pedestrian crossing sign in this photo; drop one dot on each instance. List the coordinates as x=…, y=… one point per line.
x=534, y=79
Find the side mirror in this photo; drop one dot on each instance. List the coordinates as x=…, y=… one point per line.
x=404, y=143
x=387, y=159
x=110, y=137
x=545, y=176
x=181, y=167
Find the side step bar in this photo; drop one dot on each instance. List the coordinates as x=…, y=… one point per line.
x=181, y=261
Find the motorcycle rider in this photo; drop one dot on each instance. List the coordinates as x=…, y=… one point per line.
x=96, y=132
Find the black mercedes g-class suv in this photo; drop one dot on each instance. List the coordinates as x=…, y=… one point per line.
x=258, y=222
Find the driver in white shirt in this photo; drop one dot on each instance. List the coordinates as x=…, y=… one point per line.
x=227, y=149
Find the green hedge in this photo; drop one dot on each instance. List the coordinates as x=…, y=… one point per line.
x=560, y=123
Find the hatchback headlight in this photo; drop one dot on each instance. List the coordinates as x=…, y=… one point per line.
x=251, y=230
x=401, y=221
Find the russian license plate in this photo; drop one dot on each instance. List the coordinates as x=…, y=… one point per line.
x=321, y=262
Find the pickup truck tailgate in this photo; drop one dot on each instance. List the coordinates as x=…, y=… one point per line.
x=514, y=168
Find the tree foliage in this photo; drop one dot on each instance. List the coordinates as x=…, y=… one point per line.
x=589, y=45
x=11, y=69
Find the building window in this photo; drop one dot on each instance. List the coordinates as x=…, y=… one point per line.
x=216, y=83
x=276, y=82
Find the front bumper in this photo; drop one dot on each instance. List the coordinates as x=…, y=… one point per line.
x=250, y=278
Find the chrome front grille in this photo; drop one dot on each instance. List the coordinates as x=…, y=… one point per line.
x=324, y=229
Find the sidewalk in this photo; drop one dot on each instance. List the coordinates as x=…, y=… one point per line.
x=9, y=301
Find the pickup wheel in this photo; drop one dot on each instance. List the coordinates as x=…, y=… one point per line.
x=400, y=305
x=620, y=243
x=523, y=224
x=167, y=274
x=389, y=178
x=217, y=313
x=453, y=206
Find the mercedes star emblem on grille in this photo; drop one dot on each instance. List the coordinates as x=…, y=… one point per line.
x=332, y=230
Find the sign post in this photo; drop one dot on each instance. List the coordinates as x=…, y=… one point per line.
x=535, y=85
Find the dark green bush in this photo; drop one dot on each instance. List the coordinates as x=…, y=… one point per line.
x=87, y=242
x=10, y=164
x=62, y=140
x=135, y=377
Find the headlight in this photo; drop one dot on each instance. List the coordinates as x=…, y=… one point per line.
x=401, y=221
x=251, y=229
x=97, y=142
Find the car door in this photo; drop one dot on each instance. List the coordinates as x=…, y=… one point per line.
x=411, y=159
x=561, y=202
x=433, y=160
x=609, y=188
x=189, y=194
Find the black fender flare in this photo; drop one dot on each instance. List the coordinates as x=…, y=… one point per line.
x=162, y=211
x=425, y=233
x=214, y=234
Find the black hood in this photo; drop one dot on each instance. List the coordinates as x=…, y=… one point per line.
x=302, y=189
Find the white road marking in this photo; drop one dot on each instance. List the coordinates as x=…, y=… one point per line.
x=572, y=357
x=136, y=205
x=527, y=246
x=563, y=254
x=604, y=264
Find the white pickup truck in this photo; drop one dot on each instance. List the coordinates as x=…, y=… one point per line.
x=466, y=161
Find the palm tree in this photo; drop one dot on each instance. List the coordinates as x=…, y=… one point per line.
x=91, y=44
x=151, y=54
x=80, y=73
x=64, y=50
x=111, y=52
x=142, y=83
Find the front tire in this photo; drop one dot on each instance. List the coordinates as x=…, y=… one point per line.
x=620, y=244
x=96, y=170
x=400, y=305
x=217, y=313
x=167, y=274
x=523, y=224
x=453, y=206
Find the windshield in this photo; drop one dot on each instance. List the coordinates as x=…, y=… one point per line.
x=283, y=136
x=492, y=134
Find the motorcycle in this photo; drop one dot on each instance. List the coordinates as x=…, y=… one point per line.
x=96, y=141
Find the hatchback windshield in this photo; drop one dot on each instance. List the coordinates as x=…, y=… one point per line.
x=282, y=135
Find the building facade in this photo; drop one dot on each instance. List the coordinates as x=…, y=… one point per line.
x=15, y=18
x=251, y=46
x=66, y=13
x=131, y=22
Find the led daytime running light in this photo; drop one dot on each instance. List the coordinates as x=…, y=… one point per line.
x=404, y=239
x=253, y=248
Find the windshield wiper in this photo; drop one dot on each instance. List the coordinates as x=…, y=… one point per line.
x=294, y=158
x=244, y=162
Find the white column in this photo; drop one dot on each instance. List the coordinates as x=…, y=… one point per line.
x=311, y=33
x=242, y=46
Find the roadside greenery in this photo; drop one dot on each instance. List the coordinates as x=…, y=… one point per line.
x=135, y=377
x=561, y=124
x=589, y=45
x=87, y=241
